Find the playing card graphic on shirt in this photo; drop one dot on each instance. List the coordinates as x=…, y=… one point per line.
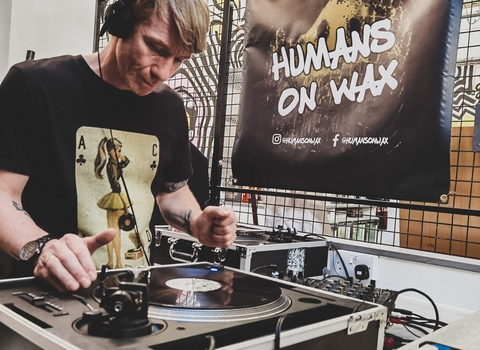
x=114, y=172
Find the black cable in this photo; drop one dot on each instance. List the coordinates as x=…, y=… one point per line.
x=420, y=317
x=337, y=276
x=341, y=260
x=425, y=324
x=304, y=238
x=418, y=328
x=83, y=301
x=359, y=306
x=437, y=318
x=137, y=233
x=414, y=324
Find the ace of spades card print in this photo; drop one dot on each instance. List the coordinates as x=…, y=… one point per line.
x=114, y=172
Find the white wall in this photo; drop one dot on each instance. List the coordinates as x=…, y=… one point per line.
x=48, y=27
x=455, y=290
x=5, y=11
x=468, y=40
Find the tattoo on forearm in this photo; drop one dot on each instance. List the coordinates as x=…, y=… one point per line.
x=188, y=214
x=169, y=187
x=19, y=208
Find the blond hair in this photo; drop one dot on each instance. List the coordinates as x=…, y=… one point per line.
x=191, y=17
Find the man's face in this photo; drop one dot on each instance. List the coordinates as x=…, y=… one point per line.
x=150, y=56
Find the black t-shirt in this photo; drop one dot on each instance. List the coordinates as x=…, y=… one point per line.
x=54, y=115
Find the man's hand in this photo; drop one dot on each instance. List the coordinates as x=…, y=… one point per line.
x=67, y=263
x=215, y=226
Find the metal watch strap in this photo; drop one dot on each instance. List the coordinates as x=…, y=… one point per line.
x=41, y=243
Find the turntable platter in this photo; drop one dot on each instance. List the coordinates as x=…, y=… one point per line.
x=202, y=294
x=224, y=289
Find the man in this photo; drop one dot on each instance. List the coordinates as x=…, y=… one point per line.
x=66, y=119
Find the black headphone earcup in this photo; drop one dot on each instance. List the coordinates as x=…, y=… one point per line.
x=118, y=20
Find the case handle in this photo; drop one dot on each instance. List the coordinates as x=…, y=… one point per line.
x=182, y=256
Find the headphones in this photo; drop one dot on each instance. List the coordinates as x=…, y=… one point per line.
x=119, y=19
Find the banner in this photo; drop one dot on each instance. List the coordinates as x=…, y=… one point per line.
x=348, y=97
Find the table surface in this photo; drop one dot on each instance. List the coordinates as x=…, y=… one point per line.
x=463, y=334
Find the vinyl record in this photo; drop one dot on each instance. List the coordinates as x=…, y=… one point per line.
x=126, y=222
x=201, y=288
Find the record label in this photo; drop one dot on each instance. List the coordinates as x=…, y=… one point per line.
x=193, y=284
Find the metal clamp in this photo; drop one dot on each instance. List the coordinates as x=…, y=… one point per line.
x=220, y=254
x=359, y=322
x=158, y=238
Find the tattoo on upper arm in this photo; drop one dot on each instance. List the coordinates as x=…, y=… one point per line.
x=188, y=214
x=19, y=208
x=169, y=187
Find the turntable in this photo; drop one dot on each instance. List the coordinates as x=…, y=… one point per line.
x=185, y=306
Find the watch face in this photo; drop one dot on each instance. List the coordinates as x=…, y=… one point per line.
x=28, y=250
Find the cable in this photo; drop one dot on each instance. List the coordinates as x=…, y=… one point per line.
x=341, y=260
x=414, y=318
x=337, y=276
x=420, y=329
x=422, y=322
x=304, y=238
x=137, y=233
x=437, y=318
x=83, y=301
x=411, y=321
x=359, y=306
x=417, y=316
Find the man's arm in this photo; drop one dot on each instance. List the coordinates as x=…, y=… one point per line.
x=66, y=262
x=214, y=226
x=13, y=218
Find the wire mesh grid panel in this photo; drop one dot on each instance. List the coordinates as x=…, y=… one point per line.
x=211, y=83
x=454, y=228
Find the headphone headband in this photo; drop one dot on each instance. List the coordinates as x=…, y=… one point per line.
x=119, y=19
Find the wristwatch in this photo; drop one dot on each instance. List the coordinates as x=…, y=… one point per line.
x=32, y=250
